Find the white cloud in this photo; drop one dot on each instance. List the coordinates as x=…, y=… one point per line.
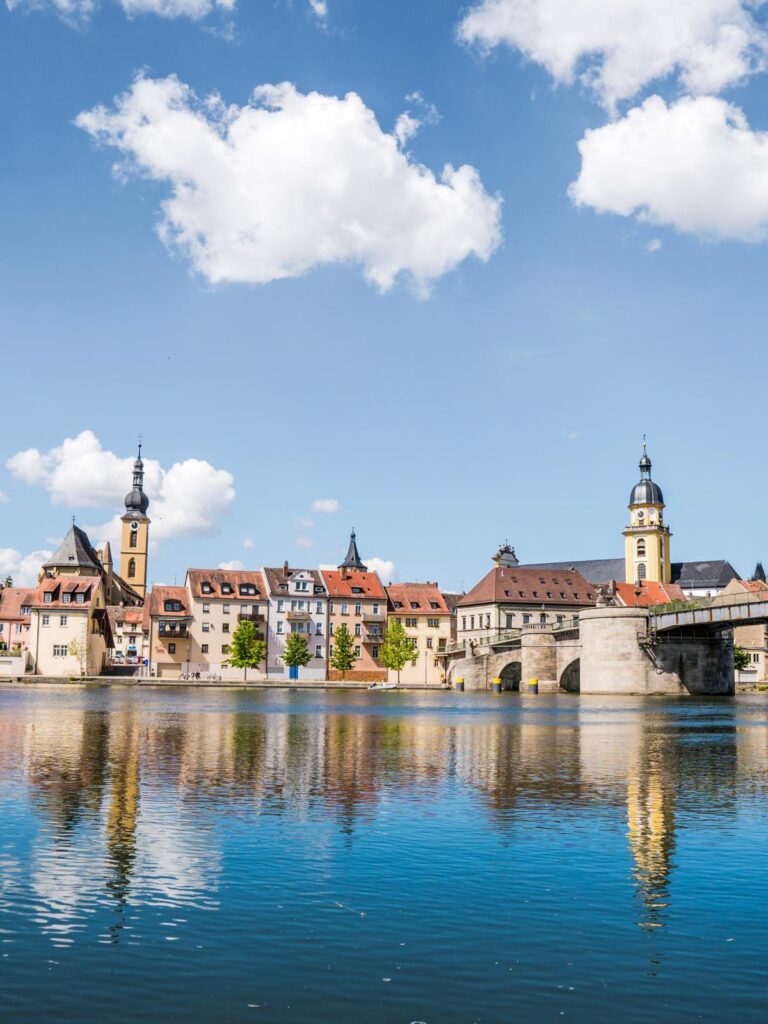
x=386, y=569
x=235, y=565
x=326, y=505
x=694, y=165
x=4, y=499
x=654, y=245
x=616, y=47
x=290, y=182
x=305, y=524
x=304, y=542
x=249, y=543
x=319, y=9
x=408, y=123
x=188, y=498
x=79, y=11
x=571, y=435
x=23, y=568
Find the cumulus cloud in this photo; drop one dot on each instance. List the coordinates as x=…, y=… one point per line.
x=616, y=47
x=235, y=565
x=326, y=505
x=289, y=182
x=320, y=9
x=79, y=11
x=4, y=499
x=24, y=569
x=249, y=543
x=385, y=568
x=654, y=245
x=188, y=498
x=694, y=165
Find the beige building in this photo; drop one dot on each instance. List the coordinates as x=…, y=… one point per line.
x=754, y=638
x=15, y=617
x=510, y=597
x=129, y=630
x=422, y=610
x=170, y=616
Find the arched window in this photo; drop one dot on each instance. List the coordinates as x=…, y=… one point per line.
x=641, y=548
x=134, y=541
x=642, y=572
x=132, y=569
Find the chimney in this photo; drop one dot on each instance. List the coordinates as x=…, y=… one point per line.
x=344, y=572
x=285, y=568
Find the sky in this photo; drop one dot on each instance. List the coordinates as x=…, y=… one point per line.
x=427, y=270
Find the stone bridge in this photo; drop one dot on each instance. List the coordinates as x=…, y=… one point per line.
x=673, y=651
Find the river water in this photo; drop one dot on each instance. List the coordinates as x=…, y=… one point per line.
x=230, y=856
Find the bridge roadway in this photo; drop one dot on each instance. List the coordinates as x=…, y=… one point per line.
x=673, y=649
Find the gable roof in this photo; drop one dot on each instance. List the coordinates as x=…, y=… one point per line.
x=12, y=600
x=526, y=585
x=234, y=577
x=72, y=586
x=595, y=570
x=275, y=577
x=647, y=594
x=415, y=599
x=160, y=595
x=368, y=582
x=703, y=575
x=74, y=552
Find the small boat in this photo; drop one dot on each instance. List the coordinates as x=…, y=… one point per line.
x=383, y=686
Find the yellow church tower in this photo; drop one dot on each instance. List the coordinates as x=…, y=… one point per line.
x=647, y=539
x=134, y=545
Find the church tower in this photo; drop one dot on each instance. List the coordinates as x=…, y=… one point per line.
x=134, y=544
x=647, y=550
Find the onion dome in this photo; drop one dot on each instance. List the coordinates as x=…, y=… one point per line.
x=136, y=501
x=646, y=492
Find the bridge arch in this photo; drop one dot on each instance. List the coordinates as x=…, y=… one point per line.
x=511, y=676
x=570, y=680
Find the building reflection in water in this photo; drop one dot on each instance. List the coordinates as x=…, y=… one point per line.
x=128, y=800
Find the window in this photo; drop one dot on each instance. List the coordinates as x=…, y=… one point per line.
x=2, y=627
x=526, y=619
x=132, y=569
x=358, y=608
x=25, y=609
x=171, y=648
x=641, y=548
x=429, y=642
x=330, y=629
x=375, y=653
x=415, y=604
x=207, y=588
x=172, y=606
x=549, y=593
x=19, y=627
x=279, y=627
x=412, y=623
x=642, y=572
x=319, y=607
x=225, y=609
x=488, y=621
x=463, y=621
x=280, y=604
x=536, y=593
x=398, y=604
x=247, y=589
x=543, y=618
x=204, y=648
x=206, y=609
x=225, y=627
x=471, y=621
x=66, y=598
x=358, y=629
x=302, y=586
x=226, y=588
x=510, y=619
x=224, y=649
x=434, y=605
x=59, y=650
x=330, y=651
x=357, y=652
x=560, y=620
x=46, y=620
x=206, y=627
x=133, y=542
x=47, y=598
x=357, y=590
x=317, y=590
x=79, y=598
x=319, y=629
x=344, y=608
x=63, y=620
x=318, y=651
x=283, y=586
x=375, y=607
x=435, y=623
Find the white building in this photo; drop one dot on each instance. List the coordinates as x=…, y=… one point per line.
x=298, y=603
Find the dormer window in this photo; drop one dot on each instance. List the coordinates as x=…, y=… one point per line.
x=79, y=598
x=226, y=588
x=47, y=598
x=318, y=590
x=415, y=604
x=398, y=604
x=207, y=588
x=434, y=605
x=172, y=606
x=283, y=586
x=66, y=598
x=25, y=609
x=247, y=589
x=357, y=590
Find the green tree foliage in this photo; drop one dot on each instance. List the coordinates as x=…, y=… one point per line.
x=741, y=659
x=8, y=581
x=79, y=649
x=246, y=650
x=398, y=648
x=296, y=650
x=343, y=650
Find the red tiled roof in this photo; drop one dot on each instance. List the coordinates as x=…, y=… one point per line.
x=531, y=586
x=121, y=613
x=417, y=599
x=754, y=586
x=275, y=577
x=646, y=594
x=234, y=577
x=11, y=601
x=160, y=595
x=368, y=582
x=58, y=586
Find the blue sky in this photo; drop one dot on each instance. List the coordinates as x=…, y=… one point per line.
x=495, y=398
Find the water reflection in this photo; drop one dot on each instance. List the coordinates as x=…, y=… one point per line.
x=127, y=797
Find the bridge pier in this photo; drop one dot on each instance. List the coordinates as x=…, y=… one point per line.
x=538, y=659
x=618, y=657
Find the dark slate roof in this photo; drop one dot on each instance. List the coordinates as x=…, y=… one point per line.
x=75, y=552
x=597, y=570
x=703, y=575
x=353, y=560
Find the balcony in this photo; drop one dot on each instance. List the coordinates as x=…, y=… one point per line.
x=173, y=630
x=373, y=638
x=369, y=616
x=250, y=617
x=295, y=616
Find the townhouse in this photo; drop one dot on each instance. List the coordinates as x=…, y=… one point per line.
x=220, y=599
x=358, y=600
x=423, y=611
x=298, y=603
x=15, y=617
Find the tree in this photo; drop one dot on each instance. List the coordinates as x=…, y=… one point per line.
x=246, y=650
x=296, y=651
x=78, y=649
x=741, y=659
x=8, y=581
x=344, y=656
x=398, y=648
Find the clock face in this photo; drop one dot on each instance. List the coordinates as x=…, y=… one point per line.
x=134, y=525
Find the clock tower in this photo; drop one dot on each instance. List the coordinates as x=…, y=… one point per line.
x=134, y=544
x=647, y=538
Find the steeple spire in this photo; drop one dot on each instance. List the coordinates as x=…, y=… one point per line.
x=353, y=560
x=136, y=501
